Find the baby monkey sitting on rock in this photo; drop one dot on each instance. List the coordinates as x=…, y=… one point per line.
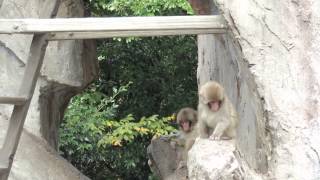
x=187, y=121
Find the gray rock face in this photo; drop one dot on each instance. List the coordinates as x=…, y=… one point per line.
x=224, y=63
x=36, y=160
x=269, y=65
x=164, y=161
x=209, y=159
x=69, y=66
x=217, y=160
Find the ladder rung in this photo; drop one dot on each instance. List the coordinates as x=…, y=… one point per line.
x=13, y=100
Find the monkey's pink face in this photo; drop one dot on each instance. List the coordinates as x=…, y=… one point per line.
x=214, y=106
x=185, y=125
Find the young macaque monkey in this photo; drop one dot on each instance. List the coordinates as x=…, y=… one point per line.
x=187, y=120
x=217, y=117
x=200, y=7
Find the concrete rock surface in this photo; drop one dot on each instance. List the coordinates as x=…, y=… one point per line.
x=36, y=160
x=209, y=159
x=217, y=160
x=268, y=62
x=281, y=40
x=164, y=161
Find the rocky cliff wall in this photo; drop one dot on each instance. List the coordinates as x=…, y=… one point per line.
x=269, y=63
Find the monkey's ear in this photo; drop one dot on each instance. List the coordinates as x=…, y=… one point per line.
x=202, y=96
x=195, y=116
x=221, y=93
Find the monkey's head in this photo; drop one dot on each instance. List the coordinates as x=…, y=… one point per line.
x=187, y=119
x=212, y=95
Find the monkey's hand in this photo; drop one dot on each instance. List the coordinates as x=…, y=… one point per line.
x=219, y=130
x=215, y=136
x=173, y=144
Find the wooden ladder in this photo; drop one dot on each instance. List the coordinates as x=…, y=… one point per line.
x=21, y=103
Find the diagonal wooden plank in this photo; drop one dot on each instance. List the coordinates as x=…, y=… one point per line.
x=32, y=71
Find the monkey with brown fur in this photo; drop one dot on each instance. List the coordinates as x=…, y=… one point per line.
x=217, y=117
x=187, y=120
x=200, y=7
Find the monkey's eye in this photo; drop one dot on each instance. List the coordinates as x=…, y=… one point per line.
x=184, y=122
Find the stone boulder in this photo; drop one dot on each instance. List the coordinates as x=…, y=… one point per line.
x=163, y=159
x=207, y=159
x=36, y=160
x=218, y=160
x=213, y=160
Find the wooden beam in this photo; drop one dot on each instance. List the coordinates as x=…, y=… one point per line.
x=99, y=35
x=13, y=100
x=84, y=28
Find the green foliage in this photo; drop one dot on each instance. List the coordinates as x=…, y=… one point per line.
x=143, y=81
x=104, y=148
x=162, y=71
x=139, y=7
x=127, y=130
